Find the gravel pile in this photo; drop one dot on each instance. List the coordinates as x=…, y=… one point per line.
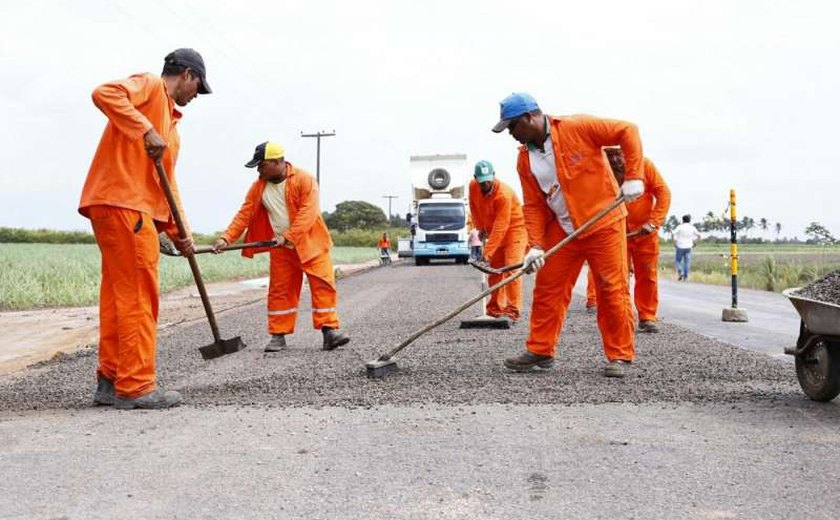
x=826, y=289
x=447, y=366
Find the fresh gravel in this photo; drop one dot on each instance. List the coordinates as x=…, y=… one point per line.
x=450, y=366
x=826, y=289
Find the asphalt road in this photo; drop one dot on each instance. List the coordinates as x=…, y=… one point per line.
x=700, y=429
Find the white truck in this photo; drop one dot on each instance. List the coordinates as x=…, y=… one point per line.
x=439, y=208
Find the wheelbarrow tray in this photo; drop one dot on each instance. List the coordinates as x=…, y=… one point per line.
x=821, y=318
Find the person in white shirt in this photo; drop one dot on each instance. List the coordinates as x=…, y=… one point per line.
x=684, y=237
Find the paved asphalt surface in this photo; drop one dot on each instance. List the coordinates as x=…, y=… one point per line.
x=699, y=429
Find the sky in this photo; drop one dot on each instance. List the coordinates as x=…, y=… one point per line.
x=727, y=94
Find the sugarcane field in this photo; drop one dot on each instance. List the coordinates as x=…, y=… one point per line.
x=382, y=260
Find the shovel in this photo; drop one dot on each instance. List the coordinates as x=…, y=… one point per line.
x=168, y=248
x=384, y=364
x=219, y=347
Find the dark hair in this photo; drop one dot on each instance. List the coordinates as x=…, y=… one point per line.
x=686, y=218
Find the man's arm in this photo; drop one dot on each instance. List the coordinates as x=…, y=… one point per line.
x=661, y=194
x=534, y=208
x=243, y=217
x=612, y=132
x=308, y=211
x=118, y=101
x=502, y=207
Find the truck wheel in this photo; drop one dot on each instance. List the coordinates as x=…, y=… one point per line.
x=439, y=178
x=818, y=371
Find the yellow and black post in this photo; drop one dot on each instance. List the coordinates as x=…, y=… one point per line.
x=733, y=313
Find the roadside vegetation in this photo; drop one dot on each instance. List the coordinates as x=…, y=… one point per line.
x=67, y=275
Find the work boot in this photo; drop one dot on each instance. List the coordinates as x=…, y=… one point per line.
x=648, y=326
x=277, y=343
x=526, y=362
x=104, y=395
x=333, y=338
x=616, y=368
x=154, y=400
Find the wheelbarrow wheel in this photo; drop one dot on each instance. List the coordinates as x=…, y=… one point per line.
x=818, y=371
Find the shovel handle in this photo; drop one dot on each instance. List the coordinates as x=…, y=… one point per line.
x=233, y=247
x=182, y=232
x=586, y=225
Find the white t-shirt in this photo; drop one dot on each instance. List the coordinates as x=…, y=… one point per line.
x=684, y=235
x=274, y=199
x=544, y=169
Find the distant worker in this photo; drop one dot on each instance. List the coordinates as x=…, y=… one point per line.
x=644, y=218
x=497, y=215
x=684, y=236
x=127, y=208
x=384, y=246
x=565, y=182
x=282, y=204
x=475, y=243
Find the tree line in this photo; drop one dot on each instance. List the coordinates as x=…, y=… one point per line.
x=719, y=224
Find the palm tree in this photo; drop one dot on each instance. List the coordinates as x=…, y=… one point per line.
x=778, y=229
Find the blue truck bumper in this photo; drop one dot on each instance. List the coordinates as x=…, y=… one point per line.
x=440, y=250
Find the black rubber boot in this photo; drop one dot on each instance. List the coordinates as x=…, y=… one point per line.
x=333, y=338
x=104, y=395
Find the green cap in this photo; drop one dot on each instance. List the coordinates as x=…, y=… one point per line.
x=483, y=171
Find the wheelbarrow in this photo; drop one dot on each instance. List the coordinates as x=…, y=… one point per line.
x=817, y=352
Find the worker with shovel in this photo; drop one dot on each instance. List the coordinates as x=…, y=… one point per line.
x=644, y=217
x=283, y=204
x=565, y=182
x=497, y=214
x=126, y=206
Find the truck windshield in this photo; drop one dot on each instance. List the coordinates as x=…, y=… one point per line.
x=441, y=217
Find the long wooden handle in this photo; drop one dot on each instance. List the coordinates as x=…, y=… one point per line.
x=182, y=232
x=586, y=225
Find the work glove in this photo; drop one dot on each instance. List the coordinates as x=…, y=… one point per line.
x=632, y=189
x=534, y=260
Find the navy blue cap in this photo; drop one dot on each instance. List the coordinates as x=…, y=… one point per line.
x=514, y=106
x=191, y=59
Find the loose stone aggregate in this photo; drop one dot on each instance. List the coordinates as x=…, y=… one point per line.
x=449, y=366
x=826, y=289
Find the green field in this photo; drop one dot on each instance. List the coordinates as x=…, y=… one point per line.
x=65, y=275
x=769, y=267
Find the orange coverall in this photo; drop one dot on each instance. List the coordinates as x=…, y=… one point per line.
x=643, y=250
x=499, y=215
x=123, y=199
x=588, y=187
x=310, y=253
x=383, y=243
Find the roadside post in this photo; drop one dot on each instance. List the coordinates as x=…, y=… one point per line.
x=733, y=313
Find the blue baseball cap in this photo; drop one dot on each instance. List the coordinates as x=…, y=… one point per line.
x=483, y=171
x=514, y=106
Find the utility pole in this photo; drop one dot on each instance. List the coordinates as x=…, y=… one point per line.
x=390, y=198
x=318, y=135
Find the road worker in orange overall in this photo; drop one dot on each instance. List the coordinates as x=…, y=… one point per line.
x=384, y=246
x=644, y=217
x=127, y=208
x=565, y=182
x=282, y=204
x=497, y=214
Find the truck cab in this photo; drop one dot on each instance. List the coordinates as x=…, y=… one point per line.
x=439, y=223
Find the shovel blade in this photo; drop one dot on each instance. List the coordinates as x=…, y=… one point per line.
x=222, y=347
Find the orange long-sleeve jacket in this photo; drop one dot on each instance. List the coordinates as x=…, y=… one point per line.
x=121, y=173
x=582, y=171
x=498, y=214
x=307, y=232
x=383, y=243
x=652, y=207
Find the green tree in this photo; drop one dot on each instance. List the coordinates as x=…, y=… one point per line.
x=356, y=214
x=819, y=234
x=670, y=224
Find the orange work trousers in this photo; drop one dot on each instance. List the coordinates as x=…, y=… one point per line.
x=508, y=299
x=128, y=298
x=643, y=260
x=591, y=297
x=606, y=252
x=643, y=252
x=284, y=285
